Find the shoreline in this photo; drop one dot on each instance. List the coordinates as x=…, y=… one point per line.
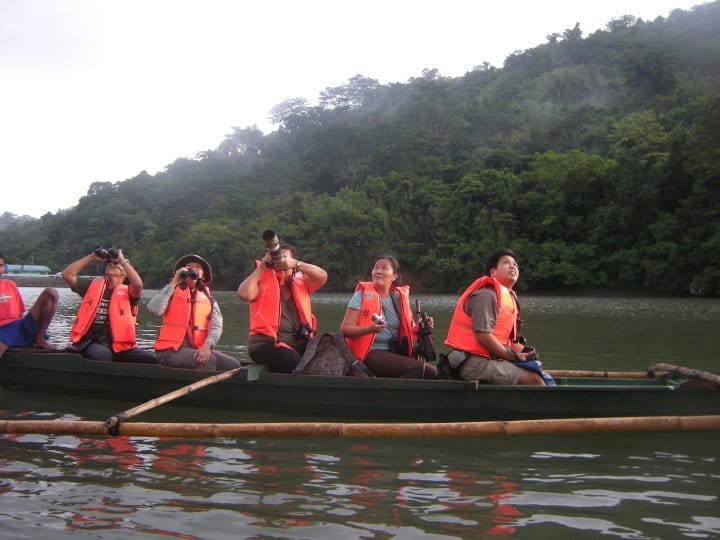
x=37, y=281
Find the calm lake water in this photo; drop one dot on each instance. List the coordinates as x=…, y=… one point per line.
x=658, y=485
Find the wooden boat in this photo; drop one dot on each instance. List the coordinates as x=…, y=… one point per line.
x=254, y=391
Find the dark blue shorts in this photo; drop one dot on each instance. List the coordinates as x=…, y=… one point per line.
x=20, y=333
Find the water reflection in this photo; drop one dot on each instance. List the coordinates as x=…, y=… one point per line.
x=301, y=488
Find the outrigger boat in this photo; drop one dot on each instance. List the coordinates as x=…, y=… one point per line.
x=663, y=390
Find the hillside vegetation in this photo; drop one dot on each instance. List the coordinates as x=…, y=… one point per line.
x=596, y=158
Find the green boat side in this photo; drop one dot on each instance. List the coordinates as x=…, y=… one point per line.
x=254, y=390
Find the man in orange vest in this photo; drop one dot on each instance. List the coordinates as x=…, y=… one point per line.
x=28, y=330
x=484, y=332
x=281, y=317
x=104, y=327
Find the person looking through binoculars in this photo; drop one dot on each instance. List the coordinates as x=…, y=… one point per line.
x=192, y=322
x=104, y=327
x=281, y=318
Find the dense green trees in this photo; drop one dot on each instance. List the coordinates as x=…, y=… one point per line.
x=596, y=158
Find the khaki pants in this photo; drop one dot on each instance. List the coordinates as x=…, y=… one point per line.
x=479, y=368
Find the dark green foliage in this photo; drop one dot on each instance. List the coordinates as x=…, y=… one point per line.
x=596, y=158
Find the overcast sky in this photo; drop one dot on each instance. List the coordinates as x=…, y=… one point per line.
x=99, y=90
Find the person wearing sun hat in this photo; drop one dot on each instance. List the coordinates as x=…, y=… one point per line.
x=192, y=322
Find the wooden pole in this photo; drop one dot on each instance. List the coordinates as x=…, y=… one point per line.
x=652, y=372
x=687, y=372
x=114, y=421
x=332, y=429
x=557, y=373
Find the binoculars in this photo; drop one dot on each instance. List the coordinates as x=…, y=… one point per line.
x=192, y=274
x=107, y=253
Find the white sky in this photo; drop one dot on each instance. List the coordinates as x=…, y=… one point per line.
x=99, y=90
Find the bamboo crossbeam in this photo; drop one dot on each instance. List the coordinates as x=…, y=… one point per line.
x=114, y=421
x=333, y=429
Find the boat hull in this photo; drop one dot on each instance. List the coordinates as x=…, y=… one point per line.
x=259, y=394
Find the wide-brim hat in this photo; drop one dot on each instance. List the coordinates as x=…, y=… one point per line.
x=207, y=271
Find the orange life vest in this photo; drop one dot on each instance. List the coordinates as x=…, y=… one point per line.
x=371, y=303
x=460, y=333
x=265, y=310
x=121, y=315
x=187, y=315
x=12, y=306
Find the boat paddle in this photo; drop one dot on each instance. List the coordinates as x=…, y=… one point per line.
x=113, y=423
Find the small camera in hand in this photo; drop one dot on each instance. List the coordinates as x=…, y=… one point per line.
x=303, y=332
x=107, y=253
x=190, y=273
x=378, y=319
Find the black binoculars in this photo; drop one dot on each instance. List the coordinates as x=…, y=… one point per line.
x=190, y=273
x=107, y=253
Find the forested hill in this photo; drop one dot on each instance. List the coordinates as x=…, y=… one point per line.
x=597, y=158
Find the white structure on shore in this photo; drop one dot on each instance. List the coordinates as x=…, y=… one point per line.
x=26, y=270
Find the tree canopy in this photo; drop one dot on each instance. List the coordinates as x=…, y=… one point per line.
x=596, y=158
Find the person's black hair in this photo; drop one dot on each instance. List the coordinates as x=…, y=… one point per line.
x=393, y=262
x=492, y=261
x=290, y=248
x=2, y=256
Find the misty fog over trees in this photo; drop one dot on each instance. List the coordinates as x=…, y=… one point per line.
x=597, y=158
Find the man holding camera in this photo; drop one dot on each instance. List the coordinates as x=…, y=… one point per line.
x=192, y=322
x=281, y=318
x=104, y=327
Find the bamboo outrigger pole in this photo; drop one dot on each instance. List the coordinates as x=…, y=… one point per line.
x=333, y=429
x=558, y=373
x=652, y=372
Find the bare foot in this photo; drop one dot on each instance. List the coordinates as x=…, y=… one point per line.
x=42, y=343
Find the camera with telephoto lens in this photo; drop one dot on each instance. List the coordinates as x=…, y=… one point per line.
x=189, y=273
x=272, y=244
x=107, y=253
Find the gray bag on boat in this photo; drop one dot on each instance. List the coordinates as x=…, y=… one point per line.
x=328, y=354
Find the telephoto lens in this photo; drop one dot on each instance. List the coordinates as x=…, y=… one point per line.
x=272, y=244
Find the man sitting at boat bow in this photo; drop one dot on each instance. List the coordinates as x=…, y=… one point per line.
x=483, y=331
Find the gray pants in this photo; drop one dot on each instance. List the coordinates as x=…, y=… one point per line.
x=184, y=358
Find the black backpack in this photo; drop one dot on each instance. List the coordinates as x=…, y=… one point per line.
x=328, y=354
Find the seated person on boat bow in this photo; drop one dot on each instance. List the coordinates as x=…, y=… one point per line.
x=483, y=331
x=20, y=329
x=104, y=327
x=192, y=322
